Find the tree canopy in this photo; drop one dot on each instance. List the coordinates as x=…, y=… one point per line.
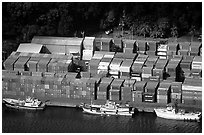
x=23, y=20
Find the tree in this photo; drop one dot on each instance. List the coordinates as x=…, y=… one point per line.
x=174, y=31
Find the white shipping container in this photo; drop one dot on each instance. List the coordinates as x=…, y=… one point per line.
x=115, y=72
x=114, y=67
x=136, y=78
x=124, y=69
x=87, y=54
x=98, y=56
x=162, y=48
x=161, y=53
x=191, y=88
x=195, y=66
x=103, y=67
x=108, y=56
x=146, y=75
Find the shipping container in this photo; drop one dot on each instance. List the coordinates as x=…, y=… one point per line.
x=129, y=44
x=9, y=63
x=109, y=55
x=140, y=86
x=42, y=65
x=129, y=83
x=142, y=46
x=115, y=64
x=89, y=43
x=137, y=96
x=114, y=94
x=161, y=64
x=104, y=64
x=126, y=67
x=118, y=42
x=20, y=64
x=116, y=84
x=151, y=87
x=176, y=87
x=130, y=56
x=184, y=45
x=152, y=45
x=151, y=61
x=87, y=54
x=106, y=44
x=149, y=97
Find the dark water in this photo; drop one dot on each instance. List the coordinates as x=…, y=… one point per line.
x=71, y=120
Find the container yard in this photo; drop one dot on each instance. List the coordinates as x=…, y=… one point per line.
x=66, y=71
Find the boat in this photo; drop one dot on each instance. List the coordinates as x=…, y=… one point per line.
x=28, y=104
x=171, y=112
x=110, y=108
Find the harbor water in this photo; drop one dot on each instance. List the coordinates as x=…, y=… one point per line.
x=72, y=120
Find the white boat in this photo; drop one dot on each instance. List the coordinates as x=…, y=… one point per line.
x=110, y=108
x=28, y=104
x=171, y=113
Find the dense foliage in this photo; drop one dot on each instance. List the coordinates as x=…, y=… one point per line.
x=24, y=20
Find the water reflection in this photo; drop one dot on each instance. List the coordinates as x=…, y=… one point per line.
x=164, y=125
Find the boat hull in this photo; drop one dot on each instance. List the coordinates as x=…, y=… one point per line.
x=17, y=106
x=162, y=113
x=107, y=112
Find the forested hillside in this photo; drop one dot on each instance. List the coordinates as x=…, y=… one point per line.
x=24, y=20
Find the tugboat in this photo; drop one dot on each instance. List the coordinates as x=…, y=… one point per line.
x=110, y=108
x=171, y=112
x=28, y=104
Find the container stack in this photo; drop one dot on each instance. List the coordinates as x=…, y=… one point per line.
x=196, y=69
x=173, y=69
x=20, y=64
x=76, y=89
x=97, y=46
x=103, y=67
x=118, y=44
x=200, y=50
x=9, y=63
x=141, y=46
x=184, y=48
x=43, y=64
x=115, y=90
x=32, y=64
x=93, y=66
x=127, y=89
x=152, y=48
x=192, y=91
x=129, y=56
x=106, y=44
x=160, y=68
x=186, y=66
x=163, y=92
x=91, y=85
x=176, y=91
x=137, y=67
x=64, y=65
x=88, y=44
x=103, y=89
x=52, y=65
x=10, y=85
x=172, y=49
x=137, y=93
x=94, y=63
x=150, y=93
x=115, y=67
x=109, y=55
x=129, y=46
x=194, y=48
x=148, y=67
x=162, y=51
x=125, y=68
